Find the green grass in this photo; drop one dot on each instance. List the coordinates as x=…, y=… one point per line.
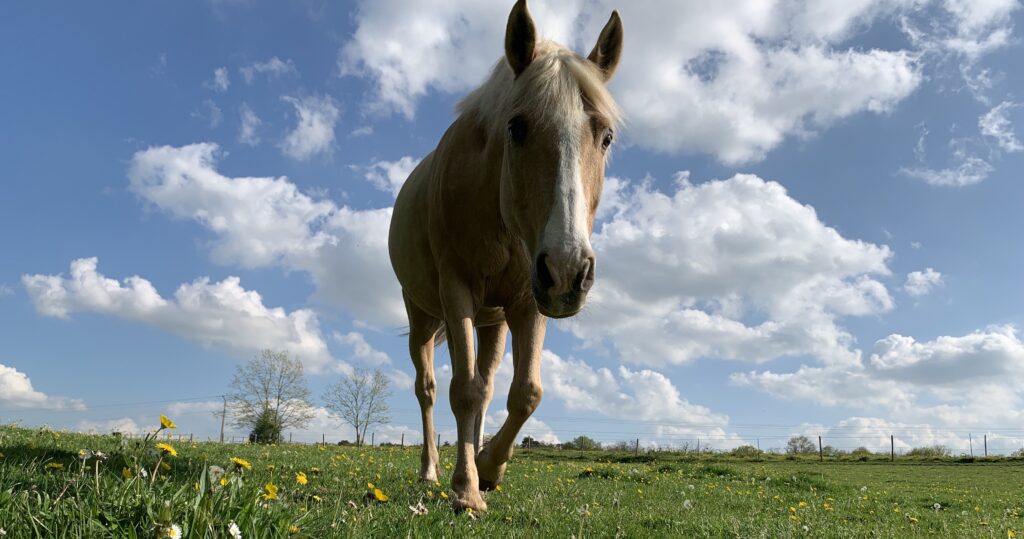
x=546, y=494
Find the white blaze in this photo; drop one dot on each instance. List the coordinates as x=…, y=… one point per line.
x=565, y=234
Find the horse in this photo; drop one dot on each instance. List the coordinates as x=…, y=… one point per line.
x=491, y=232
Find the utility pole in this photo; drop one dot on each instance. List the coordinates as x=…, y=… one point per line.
x=970, y=441
x=223, y=415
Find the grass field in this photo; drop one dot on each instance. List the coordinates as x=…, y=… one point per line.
x=49, y=489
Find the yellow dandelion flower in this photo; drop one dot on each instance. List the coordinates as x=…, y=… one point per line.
x=223, y=481
x=498, y=488
x=126, y=473
x=1011, y=534
x=316, y=498
x=430, y=493
x=293, y=529
x=913, y=520
x=167, y=449
x=271, y=467
x=379, y=495
x=241, y=463
x=370, y=486
x=166, y=423
x=792, y=509
x=793, y=518
x=56, y=466
x=300, y=478
x=802, y=504
x=444, y=494
x=270, y=491
x=195, y=486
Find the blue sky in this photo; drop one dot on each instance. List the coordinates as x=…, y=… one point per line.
x=811, y=223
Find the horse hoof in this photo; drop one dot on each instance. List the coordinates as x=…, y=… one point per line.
x=472, y=502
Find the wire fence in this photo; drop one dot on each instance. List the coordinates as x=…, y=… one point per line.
x=563, y=432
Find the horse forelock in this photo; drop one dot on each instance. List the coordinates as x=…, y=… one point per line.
x=558, y=82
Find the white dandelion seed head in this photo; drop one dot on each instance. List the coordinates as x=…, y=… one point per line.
x=234, y=531
x=687, y=504
x=937, y=506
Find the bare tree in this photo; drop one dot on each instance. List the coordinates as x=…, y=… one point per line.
x=360, y=400
x=269, y=394
x=799, y=445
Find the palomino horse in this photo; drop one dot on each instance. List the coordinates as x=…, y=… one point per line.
x=492, y=231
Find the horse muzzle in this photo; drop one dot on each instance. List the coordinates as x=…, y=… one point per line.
x=561, y=283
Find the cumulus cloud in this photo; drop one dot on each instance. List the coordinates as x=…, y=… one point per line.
x=271, y=69
x=16, y=391
x=210, y=113
x=314, y=131
x=389, y=176
x=263, y=221
x=920, y=283
x=731, y=79
x=221, y=314
x=732, y=269
x=248, y=129
x=966, y=380
x=997, y=125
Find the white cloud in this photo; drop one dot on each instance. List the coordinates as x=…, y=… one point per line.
x=733, y=269
x=16, y=391
x=248, y=130
x=260, y=221
x=731, y=79
x=210, y=113
x=272, y=69
x=124, y=425
x=920, y=283
x=314, y=131
x=970, y=171
x=969, y=380
x=362, y=351
x=388, y=176
x=6, y=290
x=221, y=314
x=995, y=124
x=220, y=81
x=534, y=428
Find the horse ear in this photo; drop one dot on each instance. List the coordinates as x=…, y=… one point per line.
x=608, y=49
x=520, y=38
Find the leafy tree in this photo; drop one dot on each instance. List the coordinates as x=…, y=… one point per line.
x=745, y=451
x=269, y=394
x=584, y=443
x=360, y=400
x=799, y=445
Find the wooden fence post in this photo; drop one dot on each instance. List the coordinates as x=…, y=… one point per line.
x=636, y=451
x=986, y=445
x=821, y=453
x=892, y=448
x=403, y=440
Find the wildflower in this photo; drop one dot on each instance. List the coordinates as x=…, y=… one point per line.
x=793, y=518
x=270, y=491
x=166, y=423
x=937, y=506
x=370, y=486
x=271, y=467
x=687, y=504
x=802, y=504
x=497, y=488
x=165, y=466
x=167, y=449
x=1010, y=534
x=379, y=495
x=223, y=481
x=241, y=463
x=316, y=498
x=100, y=455
x=863, y=489
x=195, y=486
x=84, y=454
x=234, y=532
x=56, y=466
x=174, y=532
x=805, y=528
x=419, y=509
x=215, y=473
x=314, y=470
x=792, y=509
x=300, y=478
x=126, y=472
x=293, y=529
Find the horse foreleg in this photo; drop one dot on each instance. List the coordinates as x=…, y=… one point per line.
x=466, y=394
x=523, y=397
x=421, y=348
x=491, y=348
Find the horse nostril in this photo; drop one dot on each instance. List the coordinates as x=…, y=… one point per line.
x=544, y=273
x=585, y=278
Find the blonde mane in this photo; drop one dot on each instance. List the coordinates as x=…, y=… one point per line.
x=558, y=80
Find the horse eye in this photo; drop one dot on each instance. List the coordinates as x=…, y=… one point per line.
x=517, y=129
x=607, y=141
